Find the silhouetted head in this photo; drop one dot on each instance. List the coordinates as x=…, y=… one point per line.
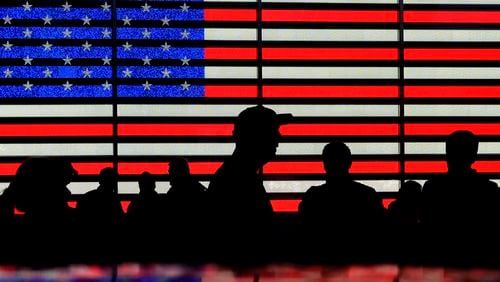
x=178, y=171
x=108, y=179
x=410, y=191
x=461, y=150
x=337, y=159
x=256, y=132
x=147, y=183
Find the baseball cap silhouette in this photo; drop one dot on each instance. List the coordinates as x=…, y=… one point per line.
x=259, y=119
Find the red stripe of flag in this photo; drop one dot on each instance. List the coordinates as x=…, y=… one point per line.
x=451, y=17
x=231, y=91
x=441, y=167
x=447, y=128
x=317, y=167
x=330, y=53
x=286, y=130
x=285, y=205
x=175, y=129
x=340, y=129
x=230, y=53
x=9, y=169
x=329, y=16
x=230, y=15
x=454, y=54
x=452, y=91
x=316, y=91
x=63, y=130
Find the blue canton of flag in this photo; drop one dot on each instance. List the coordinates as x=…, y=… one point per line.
x=55, y=49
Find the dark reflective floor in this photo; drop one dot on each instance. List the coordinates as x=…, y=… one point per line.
x=271, y=273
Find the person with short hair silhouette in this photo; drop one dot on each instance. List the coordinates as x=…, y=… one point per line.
x=406, y=209
x=460, y=203
x=101, y=219
x=184, y=211
x=144, y=210
x=239, y=207
x=342, y=214
x=404, y=219
x=39, y=190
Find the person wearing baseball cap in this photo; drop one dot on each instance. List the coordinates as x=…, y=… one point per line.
x=239, y=208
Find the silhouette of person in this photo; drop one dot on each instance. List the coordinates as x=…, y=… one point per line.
x=461, y=202
x=101, y=219
x=341, y=212
x=239, y=208
x=39, y=190
x=184, y=209
x=404, y=219
x=405, y=210
x=144, y=210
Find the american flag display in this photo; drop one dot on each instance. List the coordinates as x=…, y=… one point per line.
x=132, y=84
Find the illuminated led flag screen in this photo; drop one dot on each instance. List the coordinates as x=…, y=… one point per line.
x=134, y=84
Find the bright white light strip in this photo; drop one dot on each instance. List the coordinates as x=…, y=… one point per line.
x=451, y=73
x=180, y=110
x=185, y=110
x=452, y=110
x=230, y=34
x=439, y=148
x=230, y=72
x=56, y=111
x=451, y=35
x=73, y=149
x=329, y=35
x=330, y=72
x=338, y=110
x=225, y=149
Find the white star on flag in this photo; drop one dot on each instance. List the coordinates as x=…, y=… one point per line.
x=185, y=86
x=66, y=6
x=145, y=7
x=27, y=60
x=7, y=20
x=47, y=73
x=86, y=20
x=47, y=46
x=147, y=86
x=8, y=46
x=27, y=86
x=8, y=73
x=67, y=86
x=146, y=60
x=87, y=73
x=127, y=73
x=47, y=20
x=106, y=85
x=27, y=6
x=105, y=7
x=166, y=73
x=126, y=20
x=106, y=61
x=106, y=33
x=67, y=33
x=27, y=33
x=127, y=46
x=184, y=7
x=67, y=60
x=185, y=61
x=86, y=46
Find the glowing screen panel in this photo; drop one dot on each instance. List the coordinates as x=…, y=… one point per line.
x=132, y=84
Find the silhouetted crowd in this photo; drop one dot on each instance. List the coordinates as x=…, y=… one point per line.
x=450, y=220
